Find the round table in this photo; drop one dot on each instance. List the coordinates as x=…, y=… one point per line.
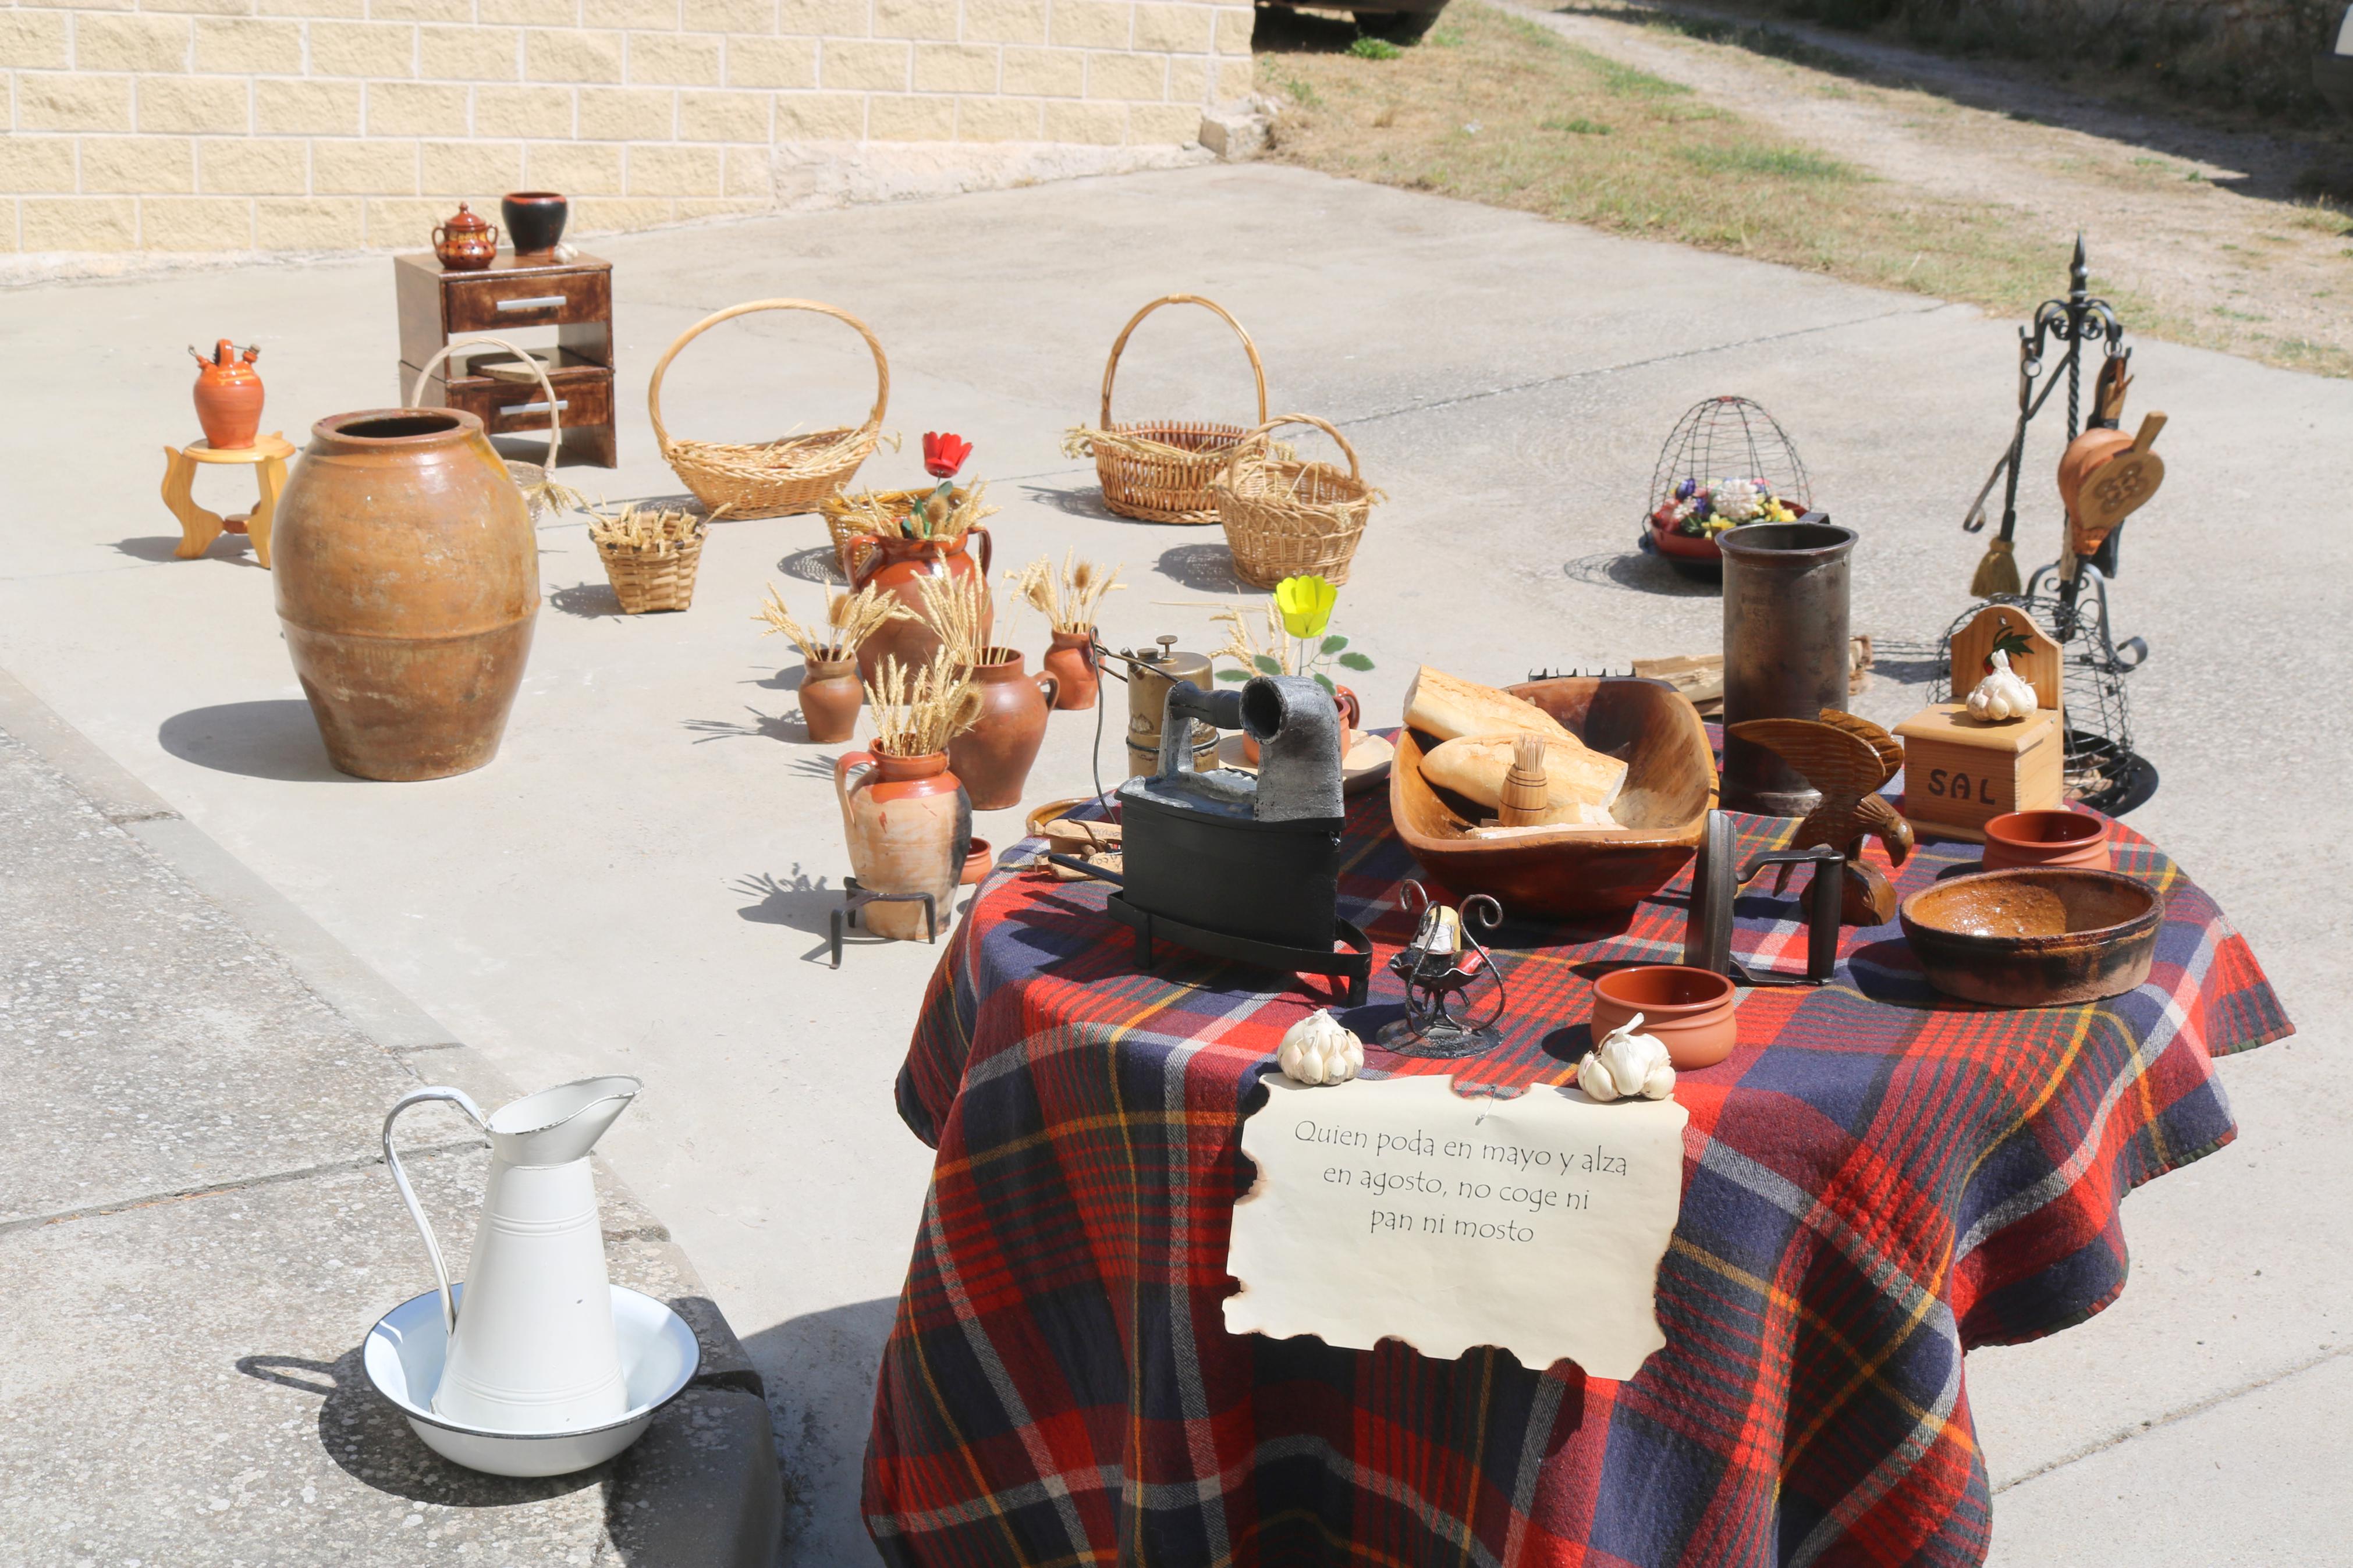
x=1877, y=1180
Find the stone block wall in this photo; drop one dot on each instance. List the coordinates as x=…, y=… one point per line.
x=217, y=125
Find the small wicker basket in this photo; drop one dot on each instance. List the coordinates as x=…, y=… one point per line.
x=660, y=577
x=532, y=478
x=1286, y=517
x=771, y=479
x=1160, y=471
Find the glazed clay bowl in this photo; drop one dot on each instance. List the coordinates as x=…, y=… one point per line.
x=979, y=860
x=1689, y=1011
x=534, y=220
x=2019, y=839
x=2043, y=936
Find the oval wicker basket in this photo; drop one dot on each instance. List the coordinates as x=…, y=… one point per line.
x=1286, y=517
x=771, y=479
x=1161, y=470
x=529, y=477
x=646, y=580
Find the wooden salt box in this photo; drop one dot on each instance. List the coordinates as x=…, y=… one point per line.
x=1960, y=773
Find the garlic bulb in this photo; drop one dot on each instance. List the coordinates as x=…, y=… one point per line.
x=1628, y=1064
x=1318, y=1049
x=2004, y=694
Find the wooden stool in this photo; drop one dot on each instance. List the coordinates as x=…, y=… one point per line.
x=199, y=528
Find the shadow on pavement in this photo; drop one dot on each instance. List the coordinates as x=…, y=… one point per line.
x=589, y=601
x=814, y=565
x=1639, y=570
x=267, y=739
x=821, y=1370
x=1204, y=568
x=232, y=547
x=763, y=726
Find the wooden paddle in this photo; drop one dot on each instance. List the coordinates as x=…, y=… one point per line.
x=2118, y=487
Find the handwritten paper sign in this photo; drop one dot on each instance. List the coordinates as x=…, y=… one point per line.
x=1399, y=1209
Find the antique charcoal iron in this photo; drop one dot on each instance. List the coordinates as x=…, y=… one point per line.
x=1716, y=880
x=1236, y=867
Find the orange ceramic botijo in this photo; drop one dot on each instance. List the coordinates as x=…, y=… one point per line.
x=993, y=757
x=899, y=566
x=229, y=396
x=908, y=824
x=467, y=243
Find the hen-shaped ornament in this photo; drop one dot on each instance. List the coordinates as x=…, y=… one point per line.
x=1849, y=760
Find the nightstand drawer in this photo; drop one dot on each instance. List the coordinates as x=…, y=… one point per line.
x=487, y=302
x=583, y=397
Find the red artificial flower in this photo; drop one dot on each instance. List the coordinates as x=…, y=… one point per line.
x=944, y=454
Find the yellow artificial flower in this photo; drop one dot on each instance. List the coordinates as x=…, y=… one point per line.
x=1307, y=605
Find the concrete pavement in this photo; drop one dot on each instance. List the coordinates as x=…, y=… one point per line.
x=639, y=882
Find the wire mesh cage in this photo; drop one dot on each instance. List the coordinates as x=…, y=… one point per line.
x=2103, y=771
x=1728, y=439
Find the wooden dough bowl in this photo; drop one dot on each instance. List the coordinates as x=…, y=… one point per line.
x=2045, y=936
x=1573, y=871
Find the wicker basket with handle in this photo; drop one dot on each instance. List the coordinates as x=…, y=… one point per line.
x=1286, y=517
x=771, y=479
x=1160, y=471
x=532, y=479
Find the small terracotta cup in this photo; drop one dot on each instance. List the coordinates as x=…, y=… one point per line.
x=1689, y=1011
x=978, y=862
x=2021, y=838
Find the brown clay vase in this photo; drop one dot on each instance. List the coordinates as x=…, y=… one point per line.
x=908, y=824
x=229, y=397
x=898, y=566
x=407, y=578
x=1070, y=661
x=993, y=757
x=830, y=698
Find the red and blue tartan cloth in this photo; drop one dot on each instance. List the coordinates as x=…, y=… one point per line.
x=1877, y=1180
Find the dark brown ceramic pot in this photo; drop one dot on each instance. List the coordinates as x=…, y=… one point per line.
x=993, y=757
x=830, y=698
x=406, y=579
x=534, y=220
x=899, y=565
x=1689, y=1011
x=1070, y=661
x=2046, y=838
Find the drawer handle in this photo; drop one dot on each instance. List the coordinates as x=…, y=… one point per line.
x=558, y=407
x=538, y=302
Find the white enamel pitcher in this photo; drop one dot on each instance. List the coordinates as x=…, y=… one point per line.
x=531, y=1331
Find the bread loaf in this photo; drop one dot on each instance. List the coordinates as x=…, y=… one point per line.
x=1579, y=784
x=1448, y=707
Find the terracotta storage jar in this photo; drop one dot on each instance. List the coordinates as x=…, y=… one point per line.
x=1070, y=661
x=908, y=824
x=1687, y=1010
x=2019, y=839
x=993, y=757
x=899, y=565
x=407, y=578
x=831, y=699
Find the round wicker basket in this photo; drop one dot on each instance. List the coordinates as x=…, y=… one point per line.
x=771, y=479
x=1287, y=518
x=1160, y=471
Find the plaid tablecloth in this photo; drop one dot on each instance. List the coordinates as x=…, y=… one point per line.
x=1877, y=1180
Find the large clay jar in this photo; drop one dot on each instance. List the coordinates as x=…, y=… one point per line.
x=229, y=397
x=899, y=565
x=830, y=698
x=908, y=824
x=407, y=577
x=1070, y=661
x=993, y=757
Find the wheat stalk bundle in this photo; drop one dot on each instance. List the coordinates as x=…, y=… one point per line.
x=647, y=531
x=1068, y=600
x=884, y=513
x=917, y=713
x=850, y=620
x=958, y=609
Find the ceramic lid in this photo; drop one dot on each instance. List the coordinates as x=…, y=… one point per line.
x=466, y=222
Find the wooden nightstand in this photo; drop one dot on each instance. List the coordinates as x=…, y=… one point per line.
x=575, y=297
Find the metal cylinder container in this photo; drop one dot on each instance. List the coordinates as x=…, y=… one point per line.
x=1785, y=648
x=1150, y=675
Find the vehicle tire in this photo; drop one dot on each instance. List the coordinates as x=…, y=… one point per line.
x=1396, y=27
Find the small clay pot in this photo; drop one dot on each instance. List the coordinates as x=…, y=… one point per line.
x=979, y=861
x=2046, y=838
x=229, y=397
x=534, y=220
x=1687, y=1010
x=1070, y=661
x=993, y=757
x=830, y=698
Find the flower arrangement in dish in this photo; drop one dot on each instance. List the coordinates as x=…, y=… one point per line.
x=1727, y=463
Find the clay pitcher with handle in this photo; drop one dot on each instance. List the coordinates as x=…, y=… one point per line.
x=993, y=757
x=531, y=1345
x=908, y=824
